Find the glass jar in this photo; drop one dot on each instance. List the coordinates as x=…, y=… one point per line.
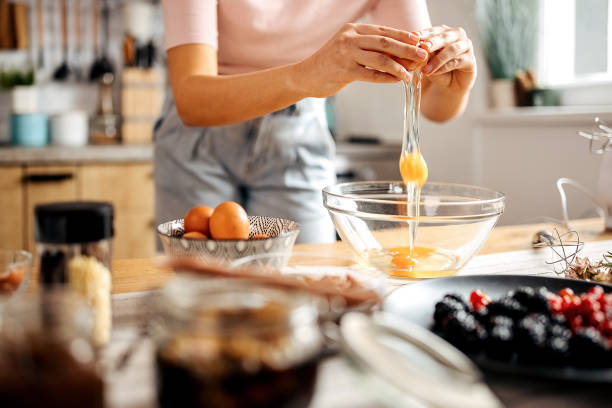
x=46, y=354
x=74, y=241
x=229, y=343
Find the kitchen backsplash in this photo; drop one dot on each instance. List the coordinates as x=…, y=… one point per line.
x=75, y=93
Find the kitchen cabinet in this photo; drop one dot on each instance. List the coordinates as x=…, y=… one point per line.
x=128, y=186
x=45, y=184
x=11, y=208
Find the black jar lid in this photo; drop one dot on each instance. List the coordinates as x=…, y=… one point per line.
x=73, y=222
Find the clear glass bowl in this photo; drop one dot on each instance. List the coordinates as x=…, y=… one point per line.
x=342, y=271
x=15, y=271
x=455, y=220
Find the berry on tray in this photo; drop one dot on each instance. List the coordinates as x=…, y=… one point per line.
x=531, y=325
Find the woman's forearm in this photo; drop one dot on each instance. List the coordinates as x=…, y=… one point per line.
x=211, y=100
x=357, y=52
x=442, y=104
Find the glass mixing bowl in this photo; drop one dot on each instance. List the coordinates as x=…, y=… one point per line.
x=455, y=220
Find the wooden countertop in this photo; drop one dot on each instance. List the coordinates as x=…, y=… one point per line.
x=135, y=275
x=13, y=155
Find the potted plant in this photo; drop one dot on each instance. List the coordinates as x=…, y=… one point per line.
x=508, y=30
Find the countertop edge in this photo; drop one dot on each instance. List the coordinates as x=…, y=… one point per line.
x=49, y=155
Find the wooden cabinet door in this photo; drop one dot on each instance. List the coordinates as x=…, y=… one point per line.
x=11, y=208
x=129, y=187
x=44, y=184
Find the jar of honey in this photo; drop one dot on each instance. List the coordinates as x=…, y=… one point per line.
x=230, y=343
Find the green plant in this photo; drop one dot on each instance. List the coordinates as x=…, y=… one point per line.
x=14, y=77
x=508, y=29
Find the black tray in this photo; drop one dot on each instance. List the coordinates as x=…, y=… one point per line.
x=416, y=302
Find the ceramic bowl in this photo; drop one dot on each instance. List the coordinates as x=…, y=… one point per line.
x=282, y=234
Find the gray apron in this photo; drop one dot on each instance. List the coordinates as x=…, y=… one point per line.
x=275, y=165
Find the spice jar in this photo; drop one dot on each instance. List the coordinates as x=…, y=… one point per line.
x=229, y=343
x=46, y=354
x=74, y=242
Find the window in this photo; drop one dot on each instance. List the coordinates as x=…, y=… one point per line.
x=575, y=42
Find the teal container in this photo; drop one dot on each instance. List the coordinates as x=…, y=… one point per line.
x=29, y=129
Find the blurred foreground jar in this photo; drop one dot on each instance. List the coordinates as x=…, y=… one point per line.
x=229, y=343
x=74, y=241
x=46, y=355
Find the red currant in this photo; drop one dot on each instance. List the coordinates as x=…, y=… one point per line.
x=555, y=305
x=596, y=319
x=589, y=305
x=566, y=291
x=576, y=323
x=607, y=328
x=479, y=299
x=597, y=291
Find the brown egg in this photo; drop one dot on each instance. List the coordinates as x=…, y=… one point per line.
x=260, y=236
x=197, y=219
x=194, y=235
x=229, y=221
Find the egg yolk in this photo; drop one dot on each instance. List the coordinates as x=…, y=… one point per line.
x=413, y=168
x=403, y=257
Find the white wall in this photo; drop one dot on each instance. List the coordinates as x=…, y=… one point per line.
x=363, y=108
x=520, y=153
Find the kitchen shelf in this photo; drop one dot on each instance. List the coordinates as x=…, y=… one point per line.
x=581, y=116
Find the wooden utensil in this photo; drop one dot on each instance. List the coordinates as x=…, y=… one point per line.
x=78, y=46
x=6, y=25
x=353, y=293
x=63, y=71
x=22, y=37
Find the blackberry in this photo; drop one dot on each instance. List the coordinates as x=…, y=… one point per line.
x=507, y=307
x=588, y=348
x=522, y=294
x=557, y=350
x=499, y=344
x=457, y=298
x=444, y=309
x=531, y=336
x=559, y=330
x=501, y=320
x=464, y=332
x=534, y=300
x=559, y=319
x=482, y=315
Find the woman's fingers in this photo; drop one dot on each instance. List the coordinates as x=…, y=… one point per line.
x=391, y=46
x=436, y=40
x=408, y=64
x=399, y=35
x=448, y=53
x=460, y=62
x=372, y=75
x=381, y=62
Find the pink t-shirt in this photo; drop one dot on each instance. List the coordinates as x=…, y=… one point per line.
x=250, y=35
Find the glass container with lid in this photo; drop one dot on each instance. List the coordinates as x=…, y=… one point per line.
x=74, y=241
x=229, y=343
x=46, y=354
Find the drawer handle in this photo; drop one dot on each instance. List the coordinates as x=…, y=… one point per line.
x=349, y=175
x=47, y=178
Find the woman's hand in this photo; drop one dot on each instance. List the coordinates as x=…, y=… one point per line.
x=359, y=52
x=451, y=65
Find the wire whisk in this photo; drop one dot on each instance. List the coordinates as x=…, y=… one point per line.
x=600, y=138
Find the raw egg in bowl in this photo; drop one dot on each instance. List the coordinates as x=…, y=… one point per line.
x=453, y=222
